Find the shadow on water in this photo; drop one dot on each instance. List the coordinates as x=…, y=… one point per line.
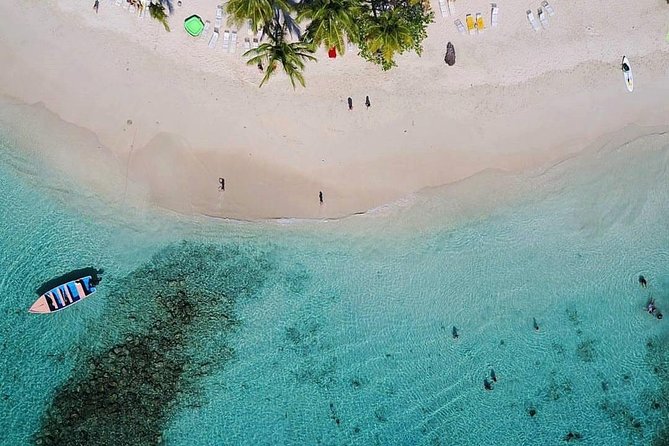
x=165, y=332
x=67, y=277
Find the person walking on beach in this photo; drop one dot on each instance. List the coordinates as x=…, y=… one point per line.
x=367, y=102
x=320, y=196
x=350, y=103
x=221, y=182
x=96, y=5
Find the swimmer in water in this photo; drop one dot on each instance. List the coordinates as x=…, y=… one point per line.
x=643, y=282
x=534, y=324
x=454, y=332
x=650, y=306
x=486, y=384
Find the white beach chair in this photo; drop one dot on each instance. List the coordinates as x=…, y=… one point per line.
x=533, y=21
x=549, y=9
x=493, y=14
x=460, y=26
x=118, y=2
x=132, y=9
x=543, y=18
x=125, y=4
x=451, y=6
x=219, y=18
x=213, y=39
x=205, y=30
x=226, y=40
x=443, y=8
x=255, y=43
x=247, y=43
x=233, y=41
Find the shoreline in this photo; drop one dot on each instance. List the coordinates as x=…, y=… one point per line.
x=277, y=148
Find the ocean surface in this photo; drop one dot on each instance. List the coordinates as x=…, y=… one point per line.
x=206, y=332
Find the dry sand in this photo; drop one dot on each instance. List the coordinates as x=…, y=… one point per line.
x=171, y=116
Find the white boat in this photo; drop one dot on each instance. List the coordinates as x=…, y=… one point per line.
x=64, y=296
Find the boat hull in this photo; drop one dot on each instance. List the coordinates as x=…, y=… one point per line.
x=63, y=296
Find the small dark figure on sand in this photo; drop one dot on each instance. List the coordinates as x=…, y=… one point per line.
x=320, y=196
x=260, y=66
x=642, y=281
x=493, y=376
x=534, y=324
x=96, y=5
x=454, y=332
x=350, y=103
x=367, y=102
x=221, y=183
x=486, y=384
x=449, y=58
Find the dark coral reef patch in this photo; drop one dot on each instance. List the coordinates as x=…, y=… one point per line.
x=163, y=326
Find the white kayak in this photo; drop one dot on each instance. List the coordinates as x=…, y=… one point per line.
x=627, y=72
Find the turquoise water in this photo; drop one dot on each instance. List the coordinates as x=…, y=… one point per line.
x=210, y=333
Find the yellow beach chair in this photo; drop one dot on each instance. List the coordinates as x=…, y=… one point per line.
x=479, y=22
x=470, y=23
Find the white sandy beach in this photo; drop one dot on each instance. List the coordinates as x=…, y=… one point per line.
x=173, y=115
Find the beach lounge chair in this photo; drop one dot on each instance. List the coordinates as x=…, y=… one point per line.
x=443, y=8
x=543, y=18
x=255, y=43
x=549, y=9
x=213, y=39
x=532, y=20
x=451, y=6
x=219, y=18
x=125, y=4
x=132, y=9
x=247, y=43
x=226, y=40
x=493, y=14
x=118, y=2
x=205, y=31
x=479, y=22
x=459, y=26
x=470, y=23
x=233, y=41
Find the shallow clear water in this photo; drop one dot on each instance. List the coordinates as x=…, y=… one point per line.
x=341, y=333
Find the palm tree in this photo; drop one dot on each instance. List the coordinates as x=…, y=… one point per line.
x=387, y=34
x=331, y=21
x=291, y=55
x=259, y=13
x=157, y=11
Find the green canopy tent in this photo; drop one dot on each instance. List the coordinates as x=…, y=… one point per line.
x=194, y=25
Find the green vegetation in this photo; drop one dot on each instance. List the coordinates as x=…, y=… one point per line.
x=157, y=9
x=381, y=29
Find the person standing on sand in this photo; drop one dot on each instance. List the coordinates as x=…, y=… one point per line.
x=96, y=5
x=320, y=196
x=221, y=182
x=367, y=102
x=350, y=103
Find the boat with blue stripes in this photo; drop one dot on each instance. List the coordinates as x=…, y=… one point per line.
x=64, y=295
